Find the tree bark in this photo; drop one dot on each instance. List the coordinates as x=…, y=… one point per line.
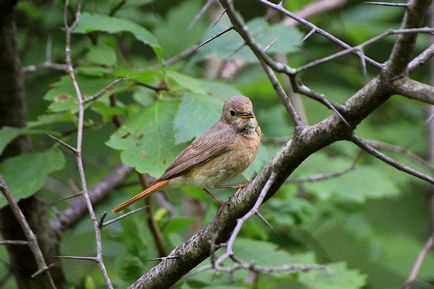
x=13, y=113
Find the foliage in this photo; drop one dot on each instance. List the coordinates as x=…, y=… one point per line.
x=366, y=226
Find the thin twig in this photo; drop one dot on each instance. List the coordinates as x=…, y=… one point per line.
x=104, y=90
x=421, y=58
x=71, y=148
x=200, y=13
x=362, y=45
x=68, y=59
x=28, y=232
x=318, y=30
x=390, y=4
x=282, y=95
x=84, y=258
x=14, y=242
x=189, y=52
x=323, y=177
x=372, y=151
x=419, y=261
x=122, y=216
x=405, y=152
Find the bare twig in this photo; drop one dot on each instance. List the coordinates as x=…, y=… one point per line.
x=362, y=45
x=14, y=242
x=84, y=258
x=323, y=177
x=104, y=90
x=315, y=8
x=421, y=58
x=68, y=59
x=372, y=151
x=283, y=96
x=28, y=232
x=405, y=152
x=199, y=14
x=71, y=148
x=318, y=30
x=390, y=4
x=78, y=208
x=122, y=216
x=419, y=261
x=189, y=52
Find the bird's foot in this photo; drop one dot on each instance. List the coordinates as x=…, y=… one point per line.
x=216, y=200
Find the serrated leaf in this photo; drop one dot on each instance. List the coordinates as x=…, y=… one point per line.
x=131, y=268
x=62, y=94
x=200, y=109
x=176, y=22
x=101, y=54
x=25, y=174
x=261, y=252
x=196, y=113
x=146, y=138
x=8, y=134
x=341, y=277
x=97, y=22
x=230, y=45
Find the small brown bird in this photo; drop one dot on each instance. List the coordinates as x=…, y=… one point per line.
x=224, y=151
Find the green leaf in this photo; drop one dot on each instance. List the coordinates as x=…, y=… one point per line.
x=146, y=138
x=200, y=109
x=26, y=173
x=102, y=54
x=8, y=134
x=177, y=22
x=62, y=93
x=341, y=277
x=285, y=40
x=96, y=22
x=196, y=114
x=131, y=268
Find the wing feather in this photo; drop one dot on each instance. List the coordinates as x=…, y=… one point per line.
x=215, y=141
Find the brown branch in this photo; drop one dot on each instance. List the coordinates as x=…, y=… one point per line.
x=28, y=232
x=372, y=151
x=389, y=4
x=405, y=152
x=315, y=8
x=152, y=224
x=78, y=209
x=419, y=60
x=419, y=261
x=311, y=139
x=104, y=90
x=14, y=242
x=283, y=96
x=318, y=30
x=323, y=177
x=81, y=101
x=415, y=90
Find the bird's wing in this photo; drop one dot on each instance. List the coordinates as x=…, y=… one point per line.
x=215, y=141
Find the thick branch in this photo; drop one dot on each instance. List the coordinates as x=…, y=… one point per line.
x=311, y=138
x=415, y=90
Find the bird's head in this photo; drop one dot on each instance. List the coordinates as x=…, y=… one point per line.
x=238, y=113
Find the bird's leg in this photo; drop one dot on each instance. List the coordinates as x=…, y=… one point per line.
x=239, y=186
x=219, y=202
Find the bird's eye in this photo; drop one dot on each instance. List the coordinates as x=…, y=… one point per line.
x=232, y=112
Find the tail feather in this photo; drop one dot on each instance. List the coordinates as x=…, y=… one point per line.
x=139, y=196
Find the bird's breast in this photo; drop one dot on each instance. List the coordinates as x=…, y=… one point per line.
x=239, y=155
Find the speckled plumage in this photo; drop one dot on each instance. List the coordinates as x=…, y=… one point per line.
x=224, y=151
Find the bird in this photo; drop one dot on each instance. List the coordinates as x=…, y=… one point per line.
x=221, y=153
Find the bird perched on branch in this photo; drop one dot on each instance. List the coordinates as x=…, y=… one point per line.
x=224, y=151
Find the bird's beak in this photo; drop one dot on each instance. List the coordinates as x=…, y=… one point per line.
x=247, y=115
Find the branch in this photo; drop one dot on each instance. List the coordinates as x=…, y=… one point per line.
x=104, y=90
x=318, y=30
x=81, y=101
x=415, y=90
x=419, y=261
x=78, y=209
x=315, y=8
x=421, y=58
x=293, y=153
x=372, y=151
x=30, y=236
